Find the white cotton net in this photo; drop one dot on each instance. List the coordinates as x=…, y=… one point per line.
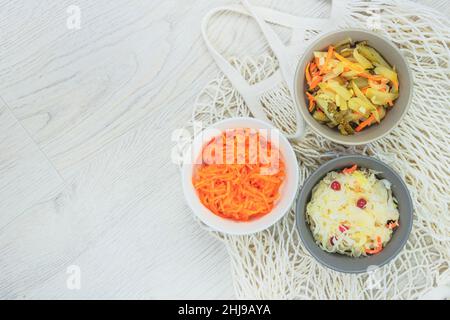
x=274, y=263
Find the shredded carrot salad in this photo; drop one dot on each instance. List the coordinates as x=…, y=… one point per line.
x=240, y=175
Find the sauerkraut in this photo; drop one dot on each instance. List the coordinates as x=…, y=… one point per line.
x=352, y=212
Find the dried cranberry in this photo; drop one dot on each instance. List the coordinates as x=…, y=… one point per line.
x=343, y=228
x=335, y=185
x=361, y=203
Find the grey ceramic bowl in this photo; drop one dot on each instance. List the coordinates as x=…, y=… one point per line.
x=343, y=263
x=392, y=55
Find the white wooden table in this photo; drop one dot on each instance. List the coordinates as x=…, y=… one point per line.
x=86, y=117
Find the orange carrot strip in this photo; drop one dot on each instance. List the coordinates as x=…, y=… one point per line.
x=350, y=170
x=378, y=248
x=315, y=81
x=365, y=123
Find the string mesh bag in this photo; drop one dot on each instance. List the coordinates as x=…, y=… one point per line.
x=273, y=264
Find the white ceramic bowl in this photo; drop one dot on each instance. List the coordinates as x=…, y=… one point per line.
x=288, y=188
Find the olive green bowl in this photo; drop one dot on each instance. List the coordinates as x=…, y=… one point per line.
x=392, y=55
x=344, y=263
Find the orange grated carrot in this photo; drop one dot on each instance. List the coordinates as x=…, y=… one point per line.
x=240, y=190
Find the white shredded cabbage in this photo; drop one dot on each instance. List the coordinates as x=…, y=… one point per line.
x=339, y=225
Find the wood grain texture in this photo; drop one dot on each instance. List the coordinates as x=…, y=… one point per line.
x=100, y=104
x=24, y=170
x=86, y=118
